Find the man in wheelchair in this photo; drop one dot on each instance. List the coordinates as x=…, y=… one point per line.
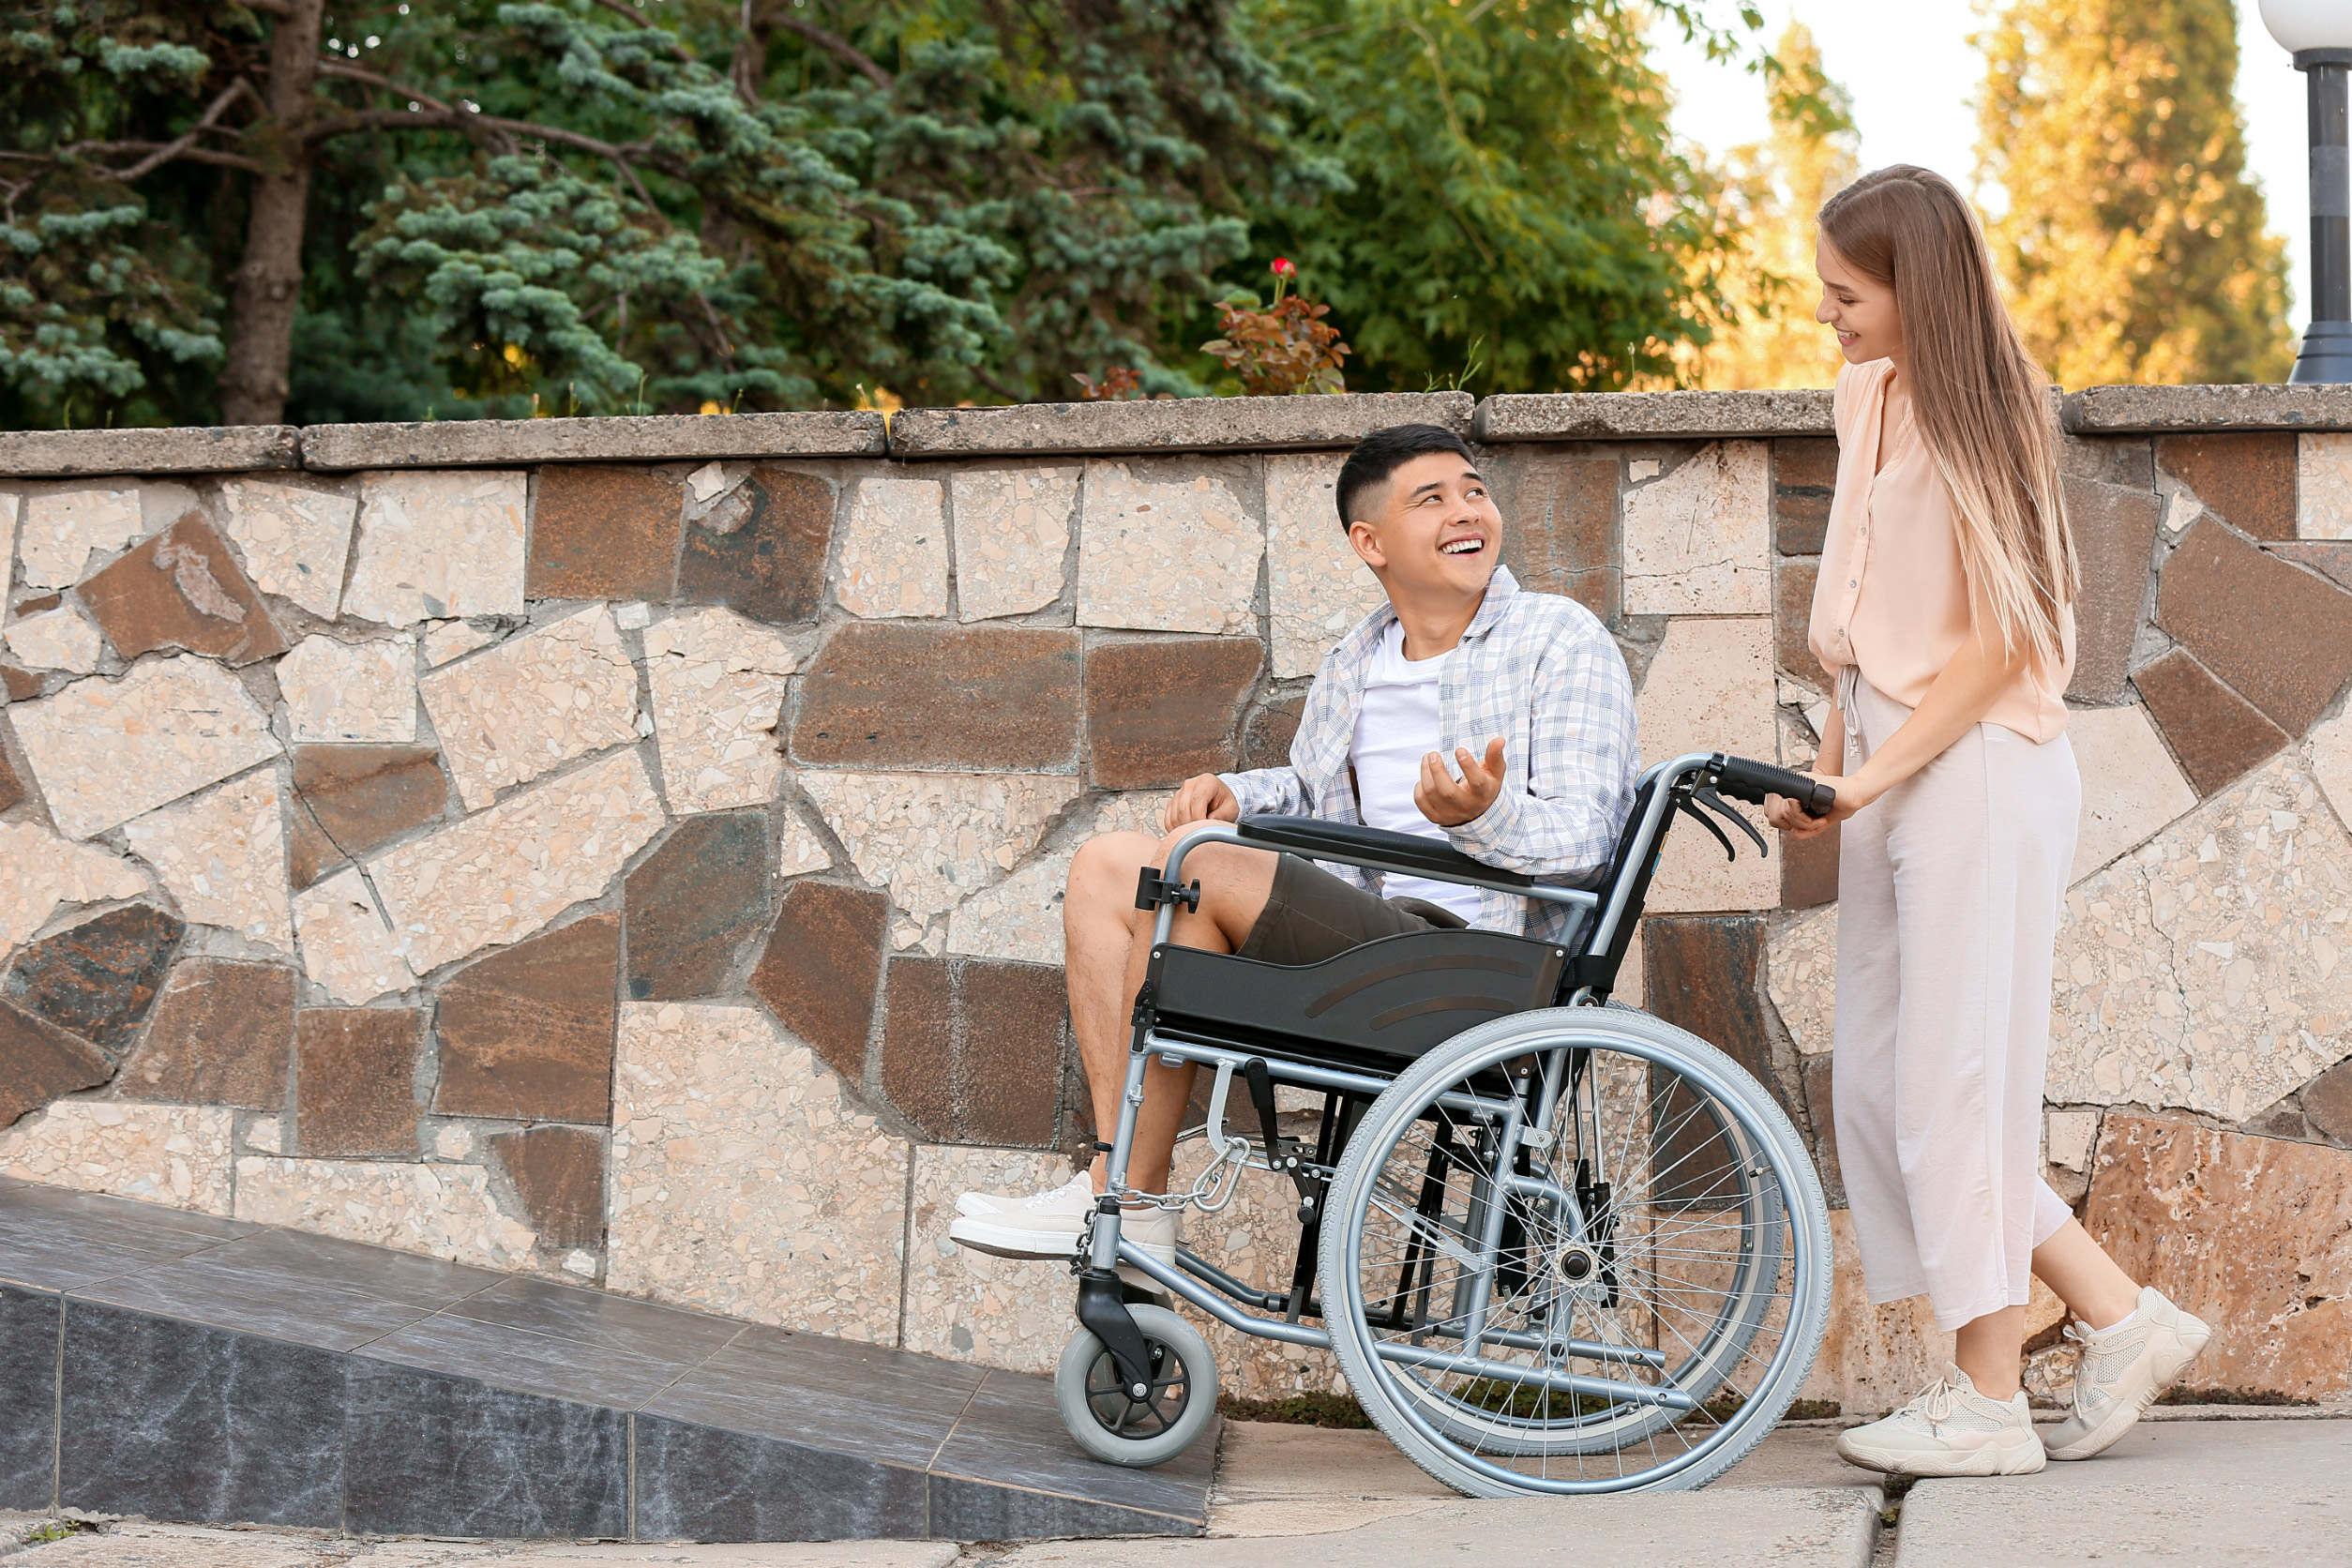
x=1525, y=692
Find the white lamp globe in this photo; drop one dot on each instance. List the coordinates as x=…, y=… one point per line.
x=2300, y=25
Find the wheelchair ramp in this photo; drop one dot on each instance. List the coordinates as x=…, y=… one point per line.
x=182, y=1367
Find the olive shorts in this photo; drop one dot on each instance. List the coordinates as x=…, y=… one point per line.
x=1312, y=915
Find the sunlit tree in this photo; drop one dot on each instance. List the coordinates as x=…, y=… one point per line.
x=2113, y=153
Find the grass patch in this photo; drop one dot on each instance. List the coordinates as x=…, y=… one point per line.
x=2229, y=1396
x=57, y=1529
x=1299, y=1409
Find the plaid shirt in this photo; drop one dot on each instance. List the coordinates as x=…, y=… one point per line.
x=1541, y=671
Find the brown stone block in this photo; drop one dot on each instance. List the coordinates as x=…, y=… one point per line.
x=223, y=1034
x=1561, y=530
x=97, y=979
x=1700, y=974
x=1808, y=871
x=917, y=696
x=2247, y=477
x=973, y=1048
x=1160, y=711
x=819, y=968
x=760, y=551
x=1820, y=1106
x=694, y=905
x=558, y=1172
x=1792, y=620
x=603, y=534
x=528, y=1033
x=2249, y=1233
x=39, y=1061
x=2216, y=733
x=1266, y=739
x=2331, y=561
x=2114, y=534
x=182, y=588
x=2110, y=460
x=356, y=1079
x=11, y=787
x=2327, y=1102
x=2280, y=635
x=358, y=798
x=21, y=684
x=1804, y=480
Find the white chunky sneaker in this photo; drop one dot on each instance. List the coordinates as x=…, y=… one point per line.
x=2123, y=1369
x=1049, y=1224
x=1950, y=1429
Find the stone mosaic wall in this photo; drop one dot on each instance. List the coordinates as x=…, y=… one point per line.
x=650, y=871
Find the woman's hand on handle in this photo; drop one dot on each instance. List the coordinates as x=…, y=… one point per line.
x=1790, y=818
x=1201, y=798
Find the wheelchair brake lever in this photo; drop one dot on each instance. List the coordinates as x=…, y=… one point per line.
x=1699, y=816
x=1282, y=1153
x=1713, y=802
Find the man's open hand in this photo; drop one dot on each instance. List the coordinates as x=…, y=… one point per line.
x=1200, y=799
x=1449, y=804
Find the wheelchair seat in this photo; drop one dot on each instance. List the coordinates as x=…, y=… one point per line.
x=1387, y=1001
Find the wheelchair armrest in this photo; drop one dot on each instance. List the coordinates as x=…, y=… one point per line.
x=1382, y=850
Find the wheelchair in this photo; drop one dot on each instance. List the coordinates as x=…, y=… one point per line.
x=1558, y=1245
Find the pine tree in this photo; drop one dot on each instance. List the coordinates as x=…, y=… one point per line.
x=2131, y=240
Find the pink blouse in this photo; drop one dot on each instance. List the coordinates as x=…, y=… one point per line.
x=1892, y=597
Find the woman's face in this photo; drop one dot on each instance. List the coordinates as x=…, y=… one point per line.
x=1861, y=311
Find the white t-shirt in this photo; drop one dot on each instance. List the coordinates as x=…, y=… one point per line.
x=1396, y=727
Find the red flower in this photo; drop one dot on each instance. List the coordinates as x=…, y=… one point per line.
x=1284, y=269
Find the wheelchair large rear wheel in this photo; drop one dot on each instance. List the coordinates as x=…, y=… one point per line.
x=1623, y=1222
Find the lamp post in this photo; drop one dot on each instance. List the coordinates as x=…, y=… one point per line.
x=2318, y=33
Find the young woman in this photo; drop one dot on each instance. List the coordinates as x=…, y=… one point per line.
x=1944, y=615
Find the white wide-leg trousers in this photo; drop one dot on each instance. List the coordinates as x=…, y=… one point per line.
x=1949, y=892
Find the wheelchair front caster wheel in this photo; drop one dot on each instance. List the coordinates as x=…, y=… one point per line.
x=1122, y=1430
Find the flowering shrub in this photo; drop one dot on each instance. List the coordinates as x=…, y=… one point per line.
x=1283, y=347
x=1119, y=384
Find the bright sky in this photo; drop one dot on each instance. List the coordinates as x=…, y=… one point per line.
x=1914, y=76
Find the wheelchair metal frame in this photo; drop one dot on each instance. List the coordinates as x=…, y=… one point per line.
x=1663, y=788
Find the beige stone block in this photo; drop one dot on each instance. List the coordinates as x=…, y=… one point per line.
x=1012, y=538
x=59, y=639
x=1317, y=586
x=160, y=1154
x=351, y=691
x=1167, y=545
x=104, y=751
x=1710, y=688
x=2131, y=786
x=2323, y=504
x=894, y=549
x=1801, y=979
x=718, y=683
x=295, y=541
x=443, y=1210
x=2331, y=763
x=437, y=542
x=63, y=529
x=527, y=706
x=501, y=875
x=744, y=1180
x=12, y=509
x=1020, y=917
x=39, y=871
x=1699, y=542
x=2068, y=1137
x=937, y=838
x=2206, y=970
x=346, y=947
x=448, y=640
x=965, y=1305
x=798, y=849
x=223, y=855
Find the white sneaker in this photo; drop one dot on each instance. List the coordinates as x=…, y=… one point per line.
x=1050, y=1224
x=2123, y=1369
x=1950, y=1429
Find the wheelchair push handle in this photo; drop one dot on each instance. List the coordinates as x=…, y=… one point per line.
x=1742, y=779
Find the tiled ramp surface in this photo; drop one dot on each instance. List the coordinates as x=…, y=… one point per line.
x=171, y=1365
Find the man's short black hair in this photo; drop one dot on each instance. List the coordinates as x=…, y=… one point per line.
x=1383, y=452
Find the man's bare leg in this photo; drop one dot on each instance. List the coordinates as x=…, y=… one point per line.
x=1108, y=951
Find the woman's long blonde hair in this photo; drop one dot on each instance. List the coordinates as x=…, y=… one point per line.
x=1978, y=399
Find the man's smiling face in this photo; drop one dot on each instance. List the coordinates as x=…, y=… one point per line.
x=1432, y=526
